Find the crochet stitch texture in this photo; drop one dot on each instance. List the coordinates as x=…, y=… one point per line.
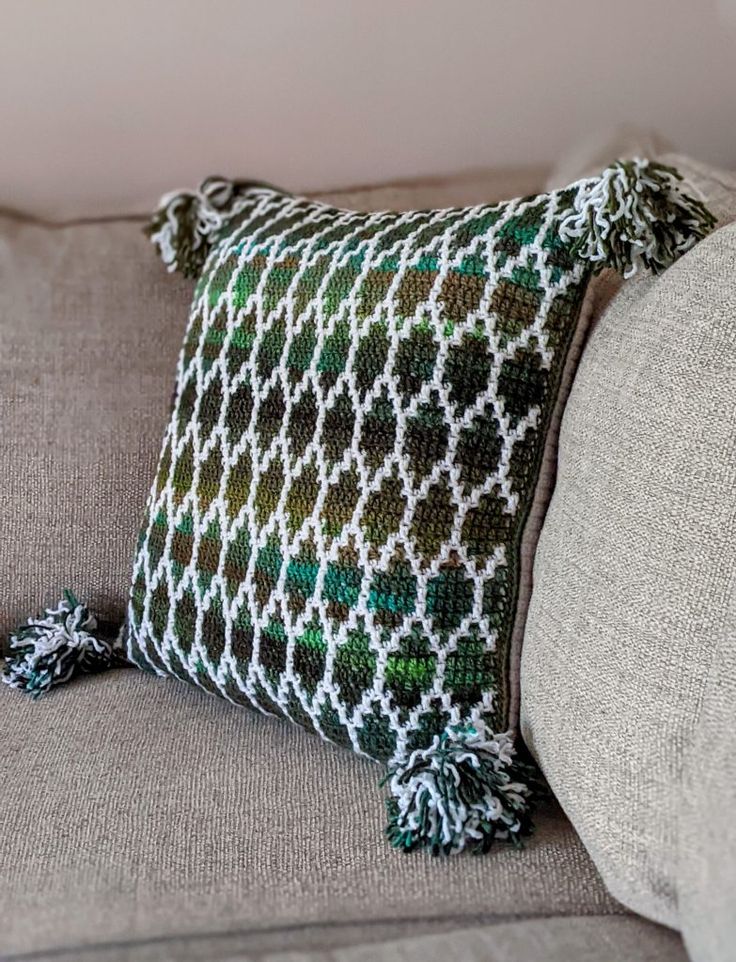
x=361, y=406
x=345, y=504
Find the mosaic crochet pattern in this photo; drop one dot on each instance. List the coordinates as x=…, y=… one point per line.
x=360, y=412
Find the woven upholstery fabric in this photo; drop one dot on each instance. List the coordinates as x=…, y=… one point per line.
x=554, y=940
x=82, y=406
x=362, y=402
x=632, y=578
x=91, y=329
x=707, y=859
x=118, y=839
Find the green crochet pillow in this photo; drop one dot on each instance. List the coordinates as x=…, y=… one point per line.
x=339, y=528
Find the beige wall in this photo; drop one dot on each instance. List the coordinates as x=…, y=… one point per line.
x=106, y=103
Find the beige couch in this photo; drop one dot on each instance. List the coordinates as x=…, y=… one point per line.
x=144, y=820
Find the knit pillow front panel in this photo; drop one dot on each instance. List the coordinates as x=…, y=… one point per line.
x=361, y=408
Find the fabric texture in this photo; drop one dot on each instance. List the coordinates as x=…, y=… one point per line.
x=707, y=857
x=632, y=577
x=83, y=405
x=337, y=527
x=554, y=940
x=117, y=838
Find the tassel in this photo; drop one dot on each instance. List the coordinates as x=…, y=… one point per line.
x=186, y=222
x=634, y=215
x=66, y=642
x=464, y=791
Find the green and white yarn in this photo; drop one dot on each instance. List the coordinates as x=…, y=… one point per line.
x=186, y=222
x=337, y=531
x=51, y=650
x=464, y=791
x=635, y=215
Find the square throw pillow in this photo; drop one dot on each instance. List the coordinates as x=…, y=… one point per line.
x=342, y=524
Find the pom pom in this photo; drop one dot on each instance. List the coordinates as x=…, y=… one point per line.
x=634, y=215
x=51, y=650
x=186, y=222
x=464, y=791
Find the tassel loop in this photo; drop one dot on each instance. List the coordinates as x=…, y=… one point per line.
x=51, y=650
x=635, y=215
x=186, y=222
x=464, y=791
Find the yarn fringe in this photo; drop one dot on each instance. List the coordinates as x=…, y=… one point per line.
x=186, y=223
x=465, y=791
x=635, y=215
x=65, y=642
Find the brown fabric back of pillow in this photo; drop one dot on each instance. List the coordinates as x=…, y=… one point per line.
x=634, y=570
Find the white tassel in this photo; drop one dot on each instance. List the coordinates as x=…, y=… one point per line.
x=635, y=215
x=51, y=650
x=186, y=222
x=463, y=791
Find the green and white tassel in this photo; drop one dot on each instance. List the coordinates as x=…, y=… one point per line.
x=636, y=214
x=186, y=222
x=65, y=642
x=464, y=791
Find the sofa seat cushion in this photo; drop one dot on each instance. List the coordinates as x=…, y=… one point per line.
x=112, y=835
x=582, y=938
x=577, y=939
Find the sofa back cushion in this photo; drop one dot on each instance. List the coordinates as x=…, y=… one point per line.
x=83, y=407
